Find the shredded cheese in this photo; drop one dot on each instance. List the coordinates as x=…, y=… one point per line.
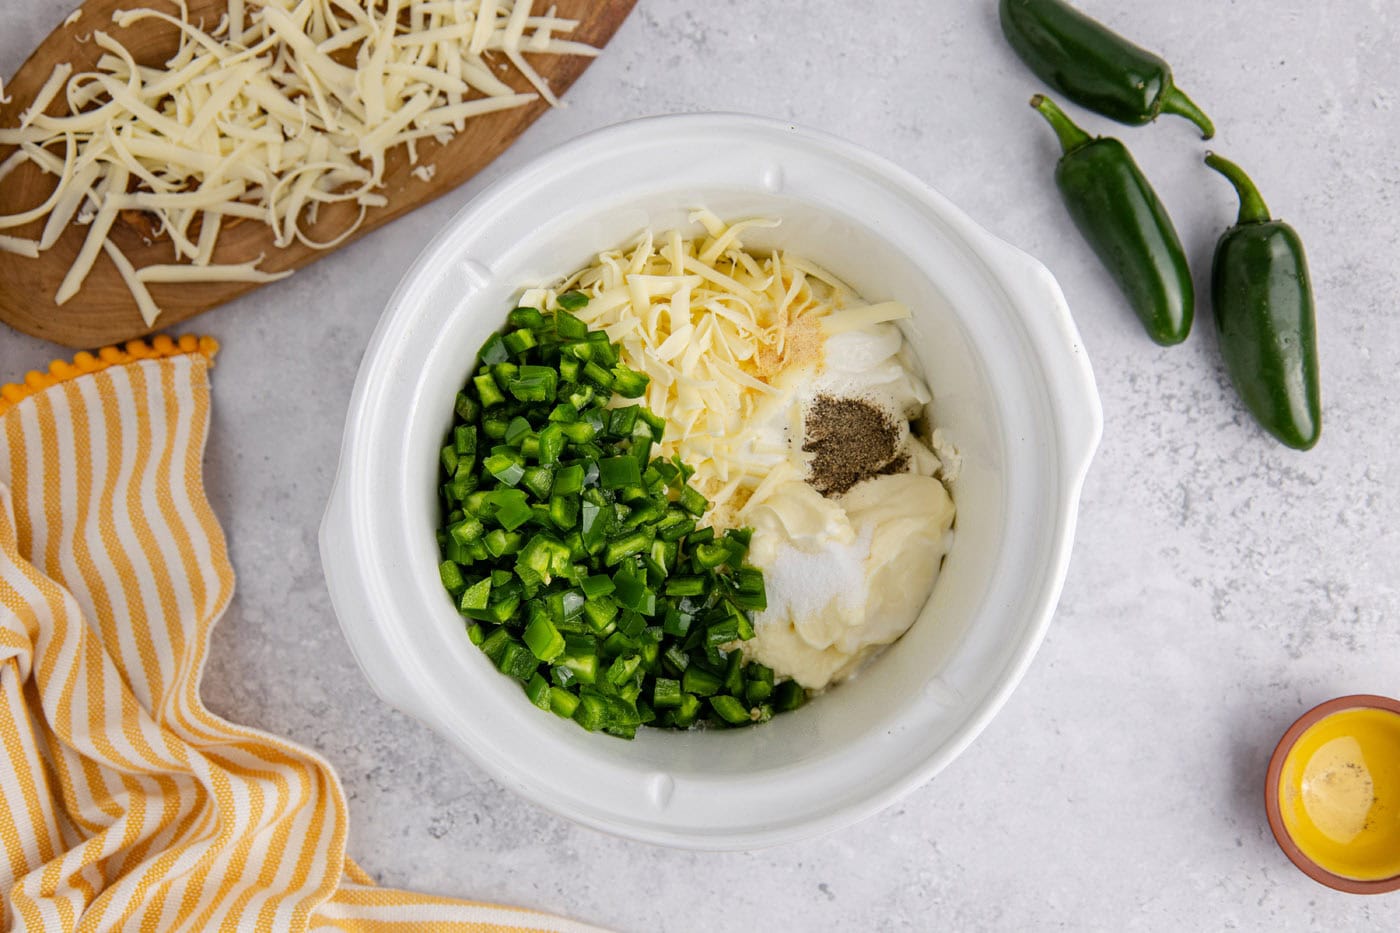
x=144, y=302
x=280, y=108
x=718, y=329
x=856, y=319
x=20, y=246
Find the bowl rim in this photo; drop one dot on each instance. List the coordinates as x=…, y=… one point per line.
x=1271, y=793
x=1070, y=376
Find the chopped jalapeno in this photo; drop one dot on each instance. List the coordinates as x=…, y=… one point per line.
x=576, y=555
x=572, y=301
x=730, y=709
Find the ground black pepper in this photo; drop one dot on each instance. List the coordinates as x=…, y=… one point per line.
x=851, y=440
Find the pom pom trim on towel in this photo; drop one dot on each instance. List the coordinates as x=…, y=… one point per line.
x=158, y=347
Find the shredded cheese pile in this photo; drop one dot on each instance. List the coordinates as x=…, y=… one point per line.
x=722, y=332
x=261, y=118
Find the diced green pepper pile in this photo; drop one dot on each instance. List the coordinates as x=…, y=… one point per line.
x=576, y=556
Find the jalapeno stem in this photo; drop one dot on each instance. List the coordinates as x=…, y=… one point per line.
x=1071, y=136
x=1174, y=101
x=1253, y=210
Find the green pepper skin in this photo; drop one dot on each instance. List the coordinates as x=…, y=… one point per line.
x=1264, y=317
x=1125, y=223
x=1094, y=66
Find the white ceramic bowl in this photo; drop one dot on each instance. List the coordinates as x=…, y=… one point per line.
x=1012, y=389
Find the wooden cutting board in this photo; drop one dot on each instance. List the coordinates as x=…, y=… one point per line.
x=103, y=312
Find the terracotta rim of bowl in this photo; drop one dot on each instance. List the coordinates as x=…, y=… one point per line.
x=1285, y=842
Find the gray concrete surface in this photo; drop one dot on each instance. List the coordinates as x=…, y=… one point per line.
x=1220, y=584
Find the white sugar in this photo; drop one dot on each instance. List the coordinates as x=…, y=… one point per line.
x=802, y=584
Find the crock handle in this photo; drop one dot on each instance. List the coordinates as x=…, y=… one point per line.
x=375, y=652
x=1073, y=393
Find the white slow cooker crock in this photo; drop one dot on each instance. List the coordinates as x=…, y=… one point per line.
x=1013, y=391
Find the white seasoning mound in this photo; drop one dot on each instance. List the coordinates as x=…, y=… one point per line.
x=807, y=583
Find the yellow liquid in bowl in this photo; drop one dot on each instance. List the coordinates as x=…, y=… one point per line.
x=1339, y=794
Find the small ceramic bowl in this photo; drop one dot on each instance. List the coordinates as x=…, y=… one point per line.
x=1012, y=390
x=1273, y=791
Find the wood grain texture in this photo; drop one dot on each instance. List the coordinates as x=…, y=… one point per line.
x=104, y=312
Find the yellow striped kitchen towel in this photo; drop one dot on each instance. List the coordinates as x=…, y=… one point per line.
x=125, y=804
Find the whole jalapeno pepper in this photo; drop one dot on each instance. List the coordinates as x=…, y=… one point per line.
x=1264, y=315
x=1094, y=66
x=1120, y=215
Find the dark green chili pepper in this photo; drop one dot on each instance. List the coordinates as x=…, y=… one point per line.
x=1119, y=214
x=1264, y=315
x=1093, y=66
